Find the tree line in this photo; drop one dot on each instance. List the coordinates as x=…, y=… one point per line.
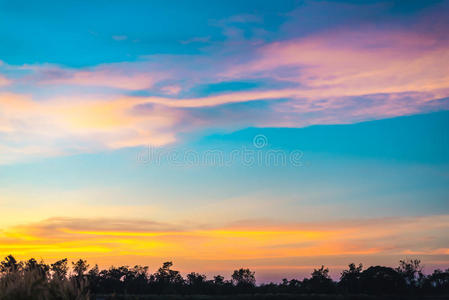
x=31, y=278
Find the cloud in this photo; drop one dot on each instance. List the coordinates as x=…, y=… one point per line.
x=205, y=39
x=119, y=37
x=126, y=76
x=67, y=125
x=259, y=243
x=353, y=63
x=171, y=89
x=364, y=75
x=4, y=81
x=338, y=77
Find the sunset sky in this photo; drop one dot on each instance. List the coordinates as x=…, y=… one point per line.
x=274, y=135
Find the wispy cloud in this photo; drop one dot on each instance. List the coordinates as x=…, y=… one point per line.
x=341, y=76
x=119, y=37
x=68, y=125
x=264, y=243
x=354, y=63
x=171, y=89
x=119, y=76
x=4, y=81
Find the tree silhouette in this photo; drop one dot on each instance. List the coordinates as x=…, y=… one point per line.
x=93, y=278
x=411, y=271
x=380, y=279
x=244, y=278
x=167, y=275
x=80, y=267
x=167, y=280
x=219, y=280
x=31, y=280
x=10, y=264
x=136, y=279
x=438, y=281
x=320, y=281
x=59, y=269
x=350, y=279
x=40, y=268
x=195, y=279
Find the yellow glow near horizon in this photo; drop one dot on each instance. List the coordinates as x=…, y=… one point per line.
x=90, y=238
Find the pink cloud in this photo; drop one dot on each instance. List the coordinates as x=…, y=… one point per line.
x=126, y=76
x=4, y=81
x=171, y=89
x=107, y=79
x=334, y=78
x=345, y=63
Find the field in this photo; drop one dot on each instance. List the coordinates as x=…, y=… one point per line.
x=267, y=297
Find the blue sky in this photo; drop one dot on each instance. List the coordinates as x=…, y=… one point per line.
x=359, y=89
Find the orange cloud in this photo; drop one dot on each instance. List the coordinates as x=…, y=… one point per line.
x=264, y=244
x=88, y=124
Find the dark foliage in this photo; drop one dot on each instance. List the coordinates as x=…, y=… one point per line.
x=36, y=280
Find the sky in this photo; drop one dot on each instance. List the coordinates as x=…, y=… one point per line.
x=274, y=135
